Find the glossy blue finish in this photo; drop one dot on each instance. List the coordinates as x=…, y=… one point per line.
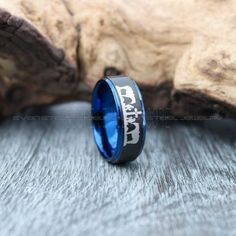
x=107, y=113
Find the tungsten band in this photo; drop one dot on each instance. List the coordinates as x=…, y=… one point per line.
x=119, y=121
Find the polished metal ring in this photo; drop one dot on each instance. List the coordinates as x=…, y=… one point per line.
x=118, y=119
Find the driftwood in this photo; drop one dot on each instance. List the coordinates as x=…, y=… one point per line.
x=182, y=53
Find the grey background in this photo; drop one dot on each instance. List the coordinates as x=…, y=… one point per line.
x=54, y=182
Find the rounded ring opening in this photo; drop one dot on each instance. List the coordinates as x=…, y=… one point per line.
x=107, y=126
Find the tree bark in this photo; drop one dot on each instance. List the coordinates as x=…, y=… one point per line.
x=181, y=53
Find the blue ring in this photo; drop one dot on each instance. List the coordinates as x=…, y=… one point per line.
x=108, y=115
x=103, y=140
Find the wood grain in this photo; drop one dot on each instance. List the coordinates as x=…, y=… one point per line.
x=181, y=53
x=54, y=182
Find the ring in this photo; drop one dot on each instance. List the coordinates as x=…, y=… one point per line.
x=118, y=119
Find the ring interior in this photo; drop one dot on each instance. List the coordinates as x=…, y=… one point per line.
x=106, y=127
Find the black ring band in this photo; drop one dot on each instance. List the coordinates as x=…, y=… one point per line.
x=119, y=122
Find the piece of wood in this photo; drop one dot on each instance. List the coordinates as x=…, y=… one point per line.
x=54, y=182
x=182, y=53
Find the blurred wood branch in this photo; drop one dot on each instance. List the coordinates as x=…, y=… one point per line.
x=182, y=53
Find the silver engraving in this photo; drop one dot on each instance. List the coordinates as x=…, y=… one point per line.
x=131, y=113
